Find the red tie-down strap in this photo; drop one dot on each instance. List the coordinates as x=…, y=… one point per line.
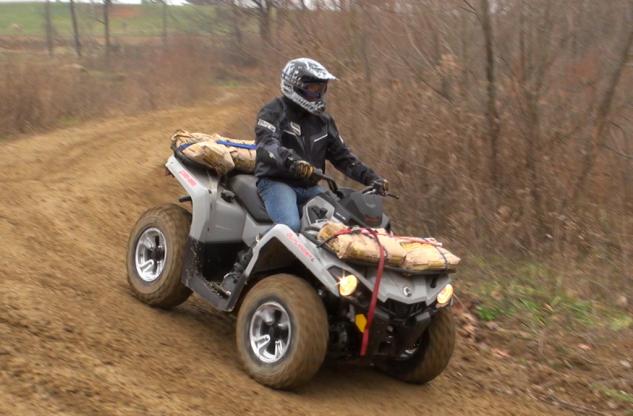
x=374, y=296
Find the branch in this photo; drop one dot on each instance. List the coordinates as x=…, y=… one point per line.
x=597, y=138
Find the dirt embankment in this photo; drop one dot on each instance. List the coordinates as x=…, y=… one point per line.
x=74, y=342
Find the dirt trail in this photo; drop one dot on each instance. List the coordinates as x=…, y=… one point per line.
x=74, y=342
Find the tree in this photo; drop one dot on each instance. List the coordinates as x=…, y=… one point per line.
x=49, y=27
x=164, y=31
x=492, y=115
x=106, y=26
x=264, y=12
x=73, y=16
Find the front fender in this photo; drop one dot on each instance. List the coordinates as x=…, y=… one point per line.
x=281, y=247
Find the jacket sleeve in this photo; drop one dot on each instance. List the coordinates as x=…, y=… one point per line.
x=269, y=150
x=344, y=160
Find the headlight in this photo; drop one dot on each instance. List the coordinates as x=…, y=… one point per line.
x=445, y=295
x=347, y=284
x=346, y=281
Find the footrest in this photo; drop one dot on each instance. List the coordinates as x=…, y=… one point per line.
x=208, y=292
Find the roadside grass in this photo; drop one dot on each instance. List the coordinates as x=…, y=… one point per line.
x=618, y=395
x=27, y=19
x=534, y=296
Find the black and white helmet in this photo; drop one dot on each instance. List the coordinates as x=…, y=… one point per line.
x=294, y=77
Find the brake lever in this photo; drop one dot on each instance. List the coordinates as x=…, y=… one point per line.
x=392, y=195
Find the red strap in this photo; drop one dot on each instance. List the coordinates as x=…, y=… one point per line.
x=374, y=295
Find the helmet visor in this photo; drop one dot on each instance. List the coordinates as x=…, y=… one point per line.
x=313, y=90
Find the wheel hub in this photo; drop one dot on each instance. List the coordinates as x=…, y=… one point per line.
x=270, y=332
x=150, y=254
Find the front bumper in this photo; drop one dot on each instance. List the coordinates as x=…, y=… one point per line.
x=391, y=334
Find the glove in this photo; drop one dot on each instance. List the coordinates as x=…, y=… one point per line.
x=381, y=186
x=302, y=169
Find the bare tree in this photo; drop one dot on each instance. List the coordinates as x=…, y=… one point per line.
x=73, y=16
x=264, y=14
x=164, y=22
x=236, y=24
x=601, y=122
x=49, y=27
x=492, y=114
x=106, y=26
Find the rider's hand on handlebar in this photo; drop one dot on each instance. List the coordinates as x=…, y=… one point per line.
x=302, y=169
x=381, y=186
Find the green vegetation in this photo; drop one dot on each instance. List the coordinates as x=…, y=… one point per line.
x=619, y=395
x=532, y=294
x=27, y=19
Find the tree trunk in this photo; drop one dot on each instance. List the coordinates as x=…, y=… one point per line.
x=73, y=16
x=264, y=21
x=492, y=115
x=106, y=27
x=597, y=137
x=236, y=21
x=164, y=32
x=49, y=27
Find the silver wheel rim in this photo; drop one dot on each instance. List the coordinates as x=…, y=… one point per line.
x=270, y=332
x=151, y=251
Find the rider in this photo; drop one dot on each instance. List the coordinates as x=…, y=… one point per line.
x=294, y=137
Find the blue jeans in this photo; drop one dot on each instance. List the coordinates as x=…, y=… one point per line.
x=283, y=201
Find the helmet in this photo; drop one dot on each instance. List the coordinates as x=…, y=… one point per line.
x=295, y=77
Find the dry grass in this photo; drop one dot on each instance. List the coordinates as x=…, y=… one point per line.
x=38, y=93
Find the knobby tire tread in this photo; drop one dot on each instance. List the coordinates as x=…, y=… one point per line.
x=169, y=291
x=434, y=358
x=309, y=341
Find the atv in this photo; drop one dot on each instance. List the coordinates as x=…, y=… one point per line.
x=296, y=301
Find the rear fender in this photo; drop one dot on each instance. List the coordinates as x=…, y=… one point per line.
x=202, y=187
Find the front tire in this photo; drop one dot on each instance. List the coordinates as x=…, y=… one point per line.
x=155, y=256
x=433, y=354
x=282, y=332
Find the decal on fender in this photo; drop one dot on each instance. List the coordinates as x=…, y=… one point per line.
x=302, y=248
x=188, y=178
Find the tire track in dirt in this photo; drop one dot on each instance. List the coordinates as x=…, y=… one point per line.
x=75, y=342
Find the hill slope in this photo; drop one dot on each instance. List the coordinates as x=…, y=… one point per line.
x=75, y=342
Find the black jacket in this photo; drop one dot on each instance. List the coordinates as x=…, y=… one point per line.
x=285, y=131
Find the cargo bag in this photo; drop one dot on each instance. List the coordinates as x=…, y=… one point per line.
x=411, y=254
x=361, y=247
x=426, y=255
x=219, y=153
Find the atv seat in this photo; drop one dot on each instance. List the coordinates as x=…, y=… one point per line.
x=245, y=189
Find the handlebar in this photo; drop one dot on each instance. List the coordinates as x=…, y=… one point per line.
x=370, y=190
x=330, y=181
x=334, y=186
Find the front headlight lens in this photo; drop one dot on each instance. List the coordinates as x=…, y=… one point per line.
x=347, y=284
x=445, y=295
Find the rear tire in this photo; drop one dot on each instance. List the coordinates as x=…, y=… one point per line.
x=289, y=310
x=432, y=356
x=164, y=231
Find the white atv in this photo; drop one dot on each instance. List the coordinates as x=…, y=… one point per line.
x=296, y=302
